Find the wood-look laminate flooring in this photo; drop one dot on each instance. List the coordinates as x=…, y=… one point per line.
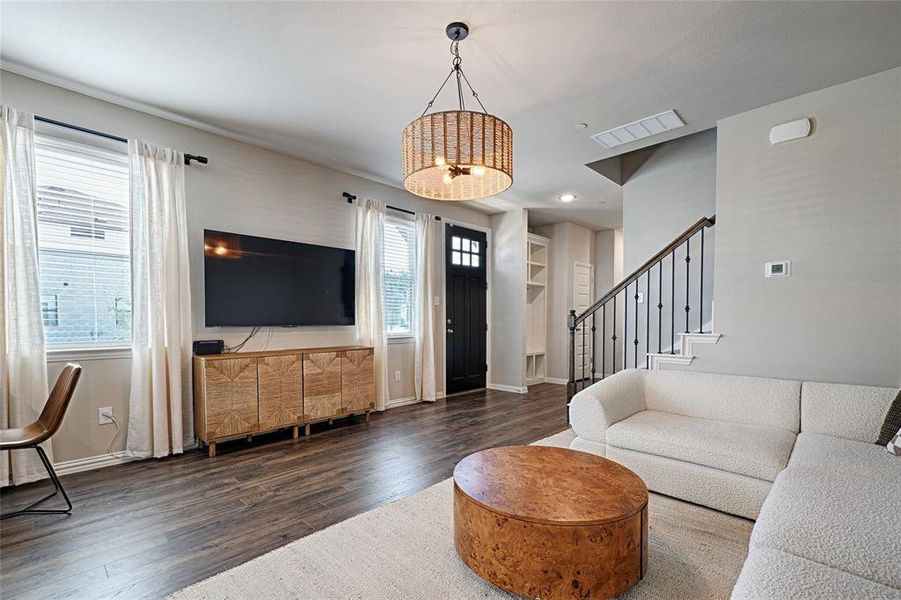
x=148, y=528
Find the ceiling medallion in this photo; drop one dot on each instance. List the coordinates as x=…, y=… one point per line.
x=457, y=154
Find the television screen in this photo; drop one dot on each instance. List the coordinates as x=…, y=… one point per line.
x=257, y=281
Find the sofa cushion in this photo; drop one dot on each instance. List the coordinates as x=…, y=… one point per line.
x=855, y=412
x=759, y=452
x=835, y=455
x=749, y=400
x=727, y=492
x=770, y=574
x=843, y=519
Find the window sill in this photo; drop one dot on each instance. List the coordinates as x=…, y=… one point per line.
x=56, y=355
x=406, y=338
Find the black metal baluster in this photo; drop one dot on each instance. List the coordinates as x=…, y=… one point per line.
x=593, y=343
x=635, y=341
x=647, y=322
x=603, y=340
x=614, y=335
x=660, y=307
x=701, y=307
x=687, y=287
x=672, y=309
x=582, y=356
x=626, y=327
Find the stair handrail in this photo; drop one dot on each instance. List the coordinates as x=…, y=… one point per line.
x=700, y=224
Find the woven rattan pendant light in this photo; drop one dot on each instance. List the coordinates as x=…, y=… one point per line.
x=457, y=154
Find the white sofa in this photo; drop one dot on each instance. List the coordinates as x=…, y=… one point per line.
x=799, y=458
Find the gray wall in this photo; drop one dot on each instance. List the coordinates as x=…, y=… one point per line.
x=570, y=243
x=246, y=189
x=831, y=204
x=608, y=271
x=674, y=188
x=508, y=299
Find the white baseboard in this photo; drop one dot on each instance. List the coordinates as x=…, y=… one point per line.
x=401, y=402
x=556, y=380
x=78, y=465
x=507, y=388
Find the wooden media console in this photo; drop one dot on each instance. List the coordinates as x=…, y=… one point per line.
x=237, y=395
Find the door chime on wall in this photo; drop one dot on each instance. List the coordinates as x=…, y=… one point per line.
x=457, y=154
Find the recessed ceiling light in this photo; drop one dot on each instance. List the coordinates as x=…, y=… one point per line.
x=642, y=128
x=567, y=197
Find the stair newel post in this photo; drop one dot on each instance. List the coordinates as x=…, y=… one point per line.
x=572, y=356
x=701, y=298
x=687, y=286
x=593, y=343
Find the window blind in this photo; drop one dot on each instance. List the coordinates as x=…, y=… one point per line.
x=83, y=243
x=399, y=259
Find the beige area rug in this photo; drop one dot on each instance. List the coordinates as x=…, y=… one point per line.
x=405, y=550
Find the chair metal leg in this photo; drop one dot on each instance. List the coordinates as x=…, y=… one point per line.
x=58, y=488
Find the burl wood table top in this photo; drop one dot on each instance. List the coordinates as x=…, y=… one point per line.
x=556, y=486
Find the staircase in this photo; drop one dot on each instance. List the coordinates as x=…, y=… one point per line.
x=622, y=330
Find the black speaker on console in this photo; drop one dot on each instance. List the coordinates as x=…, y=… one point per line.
x=204, y=347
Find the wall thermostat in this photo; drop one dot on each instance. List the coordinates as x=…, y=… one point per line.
x=780, y=268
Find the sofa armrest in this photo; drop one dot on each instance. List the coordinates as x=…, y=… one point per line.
x=602, y=404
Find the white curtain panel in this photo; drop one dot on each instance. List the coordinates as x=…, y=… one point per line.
x=428, y=233
x=23, y=360
x=370, y=277
x=160, y=418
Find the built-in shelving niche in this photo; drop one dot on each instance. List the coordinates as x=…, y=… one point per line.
x=536, y=309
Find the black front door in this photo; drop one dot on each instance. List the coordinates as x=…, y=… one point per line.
x=466, y=290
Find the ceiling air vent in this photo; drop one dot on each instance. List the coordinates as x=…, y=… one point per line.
x=639, y=129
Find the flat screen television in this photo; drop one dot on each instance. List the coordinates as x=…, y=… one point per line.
x=251, y=281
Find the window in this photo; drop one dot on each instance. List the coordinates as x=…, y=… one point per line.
x=398, y=256
x=83, y=243
x=464, y=252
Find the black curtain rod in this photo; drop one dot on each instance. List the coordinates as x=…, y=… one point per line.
x=188, y=157
x=350, y=198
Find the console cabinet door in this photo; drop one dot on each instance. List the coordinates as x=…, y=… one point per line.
x=357, y=381
x=230, y=392
x=280, y=390
x=321, y=385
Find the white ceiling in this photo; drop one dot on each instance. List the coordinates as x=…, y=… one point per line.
x=335, y=82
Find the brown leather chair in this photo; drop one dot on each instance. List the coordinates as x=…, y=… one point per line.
x=40, y=431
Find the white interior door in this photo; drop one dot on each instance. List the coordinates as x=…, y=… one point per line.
x=583, y=297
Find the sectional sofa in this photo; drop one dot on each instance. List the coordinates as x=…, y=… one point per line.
x=799, y=457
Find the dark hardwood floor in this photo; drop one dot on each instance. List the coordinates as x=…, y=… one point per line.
x=149, y=528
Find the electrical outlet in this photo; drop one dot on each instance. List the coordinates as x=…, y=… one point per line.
x=397, y=376
x=105, y=415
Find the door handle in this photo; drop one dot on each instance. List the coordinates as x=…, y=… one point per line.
x=450, y=330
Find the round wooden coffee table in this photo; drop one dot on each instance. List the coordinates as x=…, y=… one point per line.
x=548, y=522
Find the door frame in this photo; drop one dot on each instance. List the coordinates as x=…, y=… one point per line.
x=488, y=254
x=591, y=291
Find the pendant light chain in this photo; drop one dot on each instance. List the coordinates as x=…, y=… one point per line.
x=457, y=70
